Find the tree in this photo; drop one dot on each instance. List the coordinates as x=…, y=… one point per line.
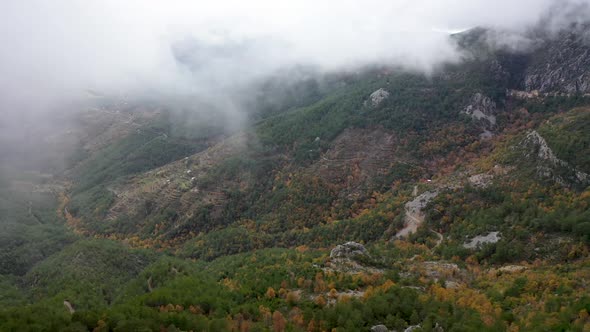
x=292, y=298
x=320, y=301
x=333, y=293
x=278, y=322
x=270, y=293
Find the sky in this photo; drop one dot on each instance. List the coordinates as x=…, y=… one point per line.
x=53, y=51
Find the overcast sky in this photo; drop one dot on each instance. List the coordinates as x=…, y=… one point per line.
x=53, y=50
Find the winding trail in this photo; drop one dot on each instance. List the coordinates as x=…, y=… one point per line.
x=149, y=284
x=412, y=222
x=69, y=306
x=440, y=238
x=414, y=216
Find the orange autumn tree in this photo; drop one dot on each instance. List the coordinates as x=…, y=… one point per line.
x=278, y=322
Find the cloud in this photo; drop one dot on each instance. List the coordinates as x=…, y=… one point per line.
x=53, y=51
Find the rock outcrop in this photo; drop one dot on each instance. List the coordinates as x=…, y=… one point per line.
x=414, y=214
x=548, y=165
x=379, y=328
x=543, y=150
x=482, y=108
x=480, y=180
x=562, y=66
x=536, y=63
x=477, y=241
x=351, y=257
x=377, y=97
x=350, y=250
x=412, y=328
x=512, y=268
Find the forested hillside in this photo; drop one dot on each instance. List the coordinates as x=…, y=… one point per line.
x=377, y=200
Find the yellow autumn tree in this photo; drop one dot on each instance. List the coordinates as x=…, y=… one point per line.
x=270, y=293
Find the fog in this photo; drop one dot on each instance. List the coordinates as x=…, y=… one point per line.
x=54, y=52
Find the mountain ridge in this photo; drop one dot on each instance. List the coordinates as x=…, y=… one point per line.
x=382, y=199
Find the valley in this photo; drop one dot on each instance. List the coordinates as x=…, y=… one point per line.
x=392, y=200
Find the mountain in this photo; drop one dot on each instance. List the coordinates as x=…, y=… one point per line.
x=377, y=199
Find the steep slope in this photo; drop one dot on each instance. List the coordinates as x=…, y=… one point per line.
x=290, y=223
x=310, y=167
x=286, y=159
x=561, y=66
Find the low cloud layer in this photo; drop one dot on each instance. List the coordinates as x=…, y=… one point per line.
x=53, y=51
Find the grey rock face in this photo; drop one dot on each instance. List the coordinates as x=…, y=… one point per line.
x=481, y=180
x=415, y=215
x=543, y=150
x=413, y=328
x=349, y=250
x=563, y=66
x=549, y=165
x=378, y=96
x=481, y=108
x=491, y=237
x=379, y=328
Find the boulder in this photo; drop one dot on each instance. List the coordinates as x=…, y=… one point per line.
x=379, y=328
x=412, y=328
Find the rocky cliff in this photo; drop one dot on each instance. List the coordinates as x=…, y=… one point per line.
x=561, y=65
